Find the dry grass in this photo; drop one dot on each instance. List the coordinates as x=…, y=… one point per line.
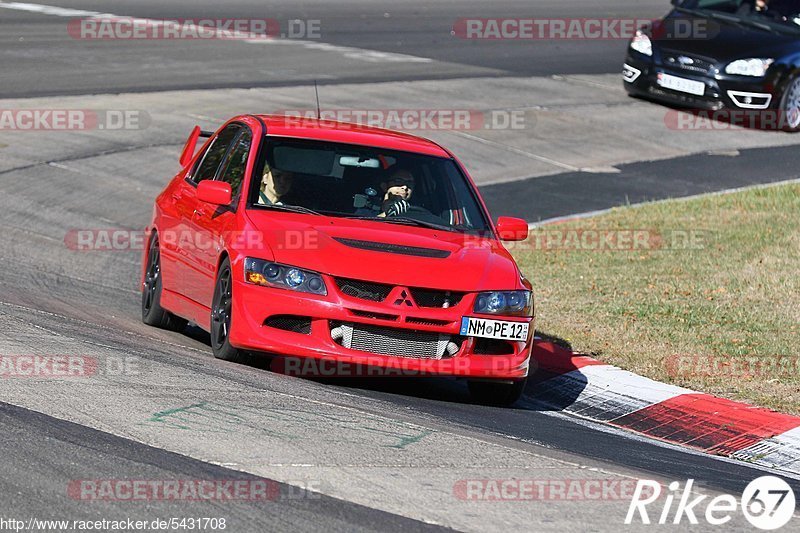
x=731, y=300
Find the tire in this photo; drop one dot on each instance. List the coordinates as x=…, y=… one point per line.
x=221, y=307
x=790, y=106
x=498, y=393
x=152, y=312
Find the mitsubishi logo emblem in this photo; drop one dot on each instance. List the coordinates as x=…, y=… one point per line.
x=405, y=298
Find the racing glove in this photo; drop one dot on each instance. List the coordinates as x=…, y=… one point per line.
x=397, y=208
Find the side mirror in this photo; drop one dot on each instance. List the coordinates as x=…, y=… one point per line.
x=214, y=192
x=188, y=148
x=512, y=229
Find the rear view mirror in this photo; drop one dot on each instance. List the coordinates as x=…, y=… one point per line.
x=512, y=229
x=214, y=192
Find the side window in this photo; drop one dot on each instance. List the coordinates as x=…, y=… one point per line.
x=207, y=169
x=236, y=163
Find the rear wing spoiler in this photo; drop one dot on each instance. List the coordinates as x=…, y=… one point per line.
x=188, y=149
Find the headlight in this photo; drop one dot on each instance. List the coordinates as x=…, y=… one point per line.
x=510, y=303
x=641, y=43
x=260, y=272
x=749, y=67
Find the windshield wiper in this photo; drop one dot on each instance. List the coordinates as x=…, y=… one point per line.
x=691, y=11
x=291, y=208
x=744, y=21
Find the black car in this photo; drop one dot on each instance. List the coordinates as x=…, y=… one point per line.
x=741, y=56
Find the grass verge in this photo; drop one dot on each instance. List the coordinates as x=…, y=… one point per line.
x=702, y=293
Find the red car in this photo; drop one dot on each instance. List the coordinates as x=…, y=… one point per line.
x=339, y=244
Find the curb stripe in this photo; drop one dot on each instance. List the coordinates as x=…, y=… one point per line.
x=603, y=392
x=580, y=385
x=704, y=422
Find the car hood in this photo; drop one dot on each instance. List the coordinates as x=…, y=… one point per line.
x=728, y=41
x=420, y=258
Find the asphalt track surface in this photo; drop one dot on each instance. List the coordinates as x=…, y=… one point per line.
x=56, y=301
x=40, y=58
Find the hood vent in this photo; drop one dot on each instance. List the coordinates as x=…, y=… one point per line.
x=394, y=248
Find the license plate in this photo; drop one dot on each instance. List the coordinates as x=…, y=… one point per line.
x=698, y=88
x=494, y=329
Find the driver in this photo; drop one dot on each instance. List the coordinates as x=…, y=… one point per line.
x=397, y=193
x=274, y=186
x=750, y=7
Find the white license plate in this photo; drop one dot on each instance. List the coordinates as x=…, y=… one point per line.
x=682, y=85
x=494, y=329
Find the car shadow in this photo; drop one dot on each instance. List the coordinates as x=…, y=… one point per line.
x=552, y=357
x=555, y=380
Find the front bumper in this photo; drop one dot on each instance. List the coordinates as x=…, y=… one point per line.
x=722, y=91
x=256, y=311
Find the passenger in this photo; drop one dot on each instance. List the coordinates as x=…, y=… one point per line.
x=275, y=185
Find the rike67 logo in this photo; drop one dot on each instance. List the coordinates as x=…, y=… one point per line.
x=768, y=503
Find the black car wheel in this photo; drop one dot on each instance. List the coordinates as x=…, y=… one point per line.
x=152, y=312
x=496, y=393
x=221, y=308
x=790, y=105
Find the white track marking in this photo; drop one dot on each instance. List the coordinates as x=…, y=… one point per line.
x=50, y=10
x=781, y=451
x=518, y=151
x=371, y=56
x=358, y=54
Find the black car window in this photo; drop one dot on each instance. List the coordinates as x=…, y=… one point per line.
x=783, y=13
x=236, y=163
x=212, y=159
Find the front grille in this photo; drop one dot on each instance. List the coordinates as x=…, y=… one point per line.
x=432, y=298
x=688, y=63
x=295, y=324
x=427, y=321
x=395, y=342
x=376, y=316
x=365, y=290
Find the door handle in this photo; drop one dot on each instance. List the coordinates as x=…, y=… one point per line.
x=199, y=212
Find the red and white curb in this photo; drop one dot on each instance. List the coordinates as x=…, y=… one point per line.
x=591, y=389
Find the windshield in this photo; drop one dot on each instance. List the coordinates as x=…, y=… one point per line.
x=363, y=182
x=776, y=14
